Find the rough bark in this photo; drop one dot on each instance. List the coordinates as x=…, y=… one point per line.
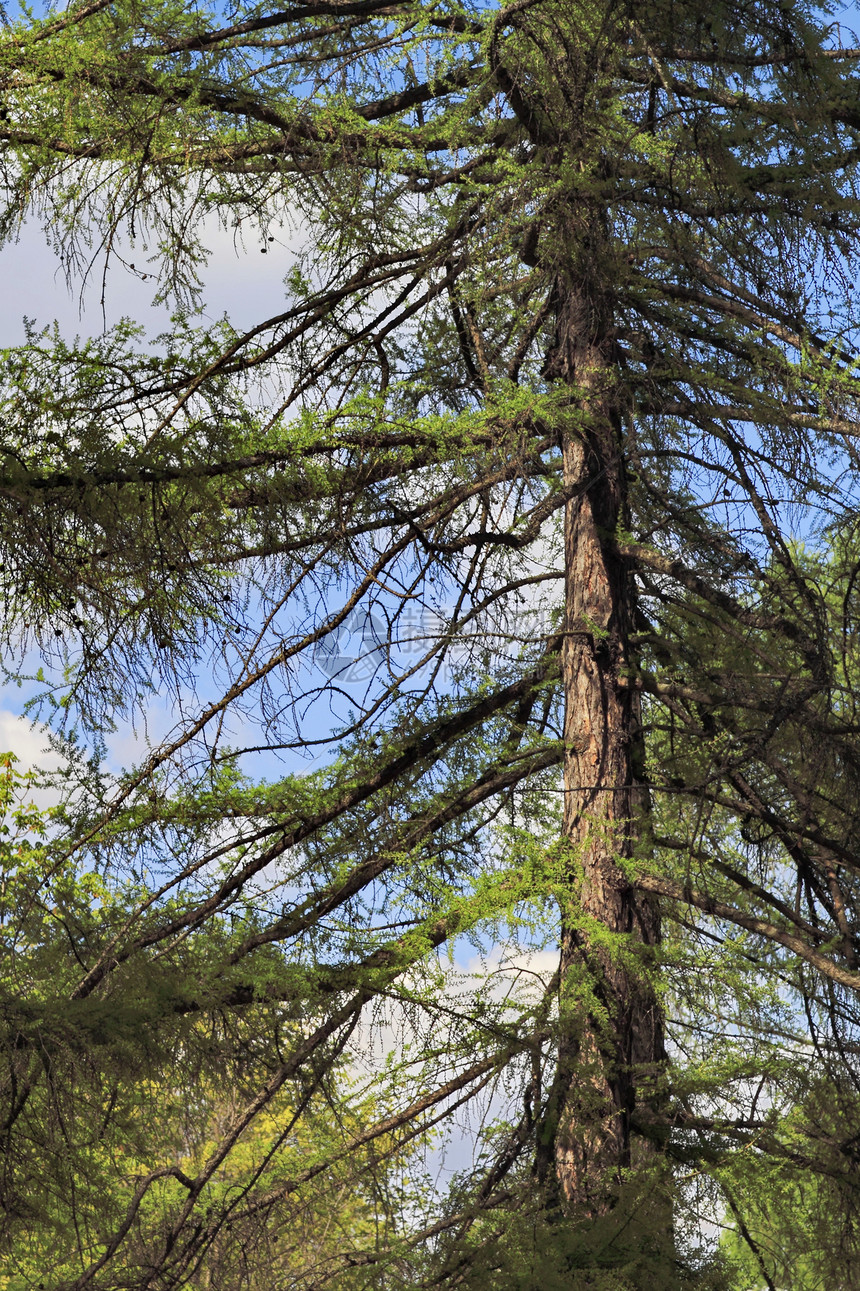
x=612, y=1048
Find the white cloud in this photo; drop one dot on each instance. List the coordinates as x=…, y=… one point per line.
x=27, y=741
x=238, y=280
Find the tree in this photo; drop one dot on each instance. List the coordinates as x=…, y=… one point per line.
x=558, y=419
x=798, y=1228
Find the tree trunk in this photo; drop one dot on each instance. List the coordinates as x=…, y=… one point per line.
x=612, y=1049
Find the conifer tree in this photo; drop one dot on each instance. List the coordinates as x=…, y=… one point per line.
x=532, y=517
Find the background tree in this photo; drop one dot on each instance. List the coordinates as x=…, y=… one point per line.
x=563, y=384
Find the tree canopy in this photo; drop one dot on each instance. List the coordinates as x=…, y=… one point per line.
x=504, y=587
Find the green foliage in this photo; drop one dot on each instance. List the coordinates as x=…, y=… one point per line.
x=248, y=977
x=793, y=1216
